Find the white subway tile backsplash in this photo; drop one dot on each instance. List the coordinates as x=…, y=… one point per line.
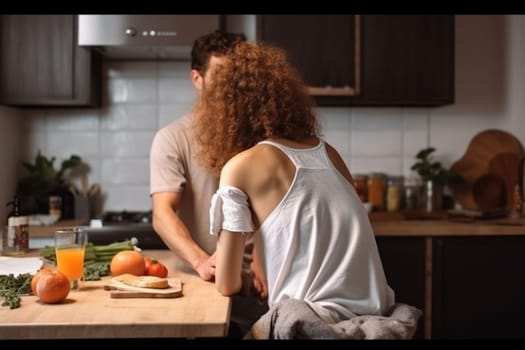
x=127, y=144
x=416, y=118
x=376, y=118
x=63, y=144
x=414, y=141
x=126, y=198
x=388, y=165
x=407, y=163
x=129, y=117
x=376, y=143
x=130, y=69
x=177, y=90
x=334, y=118
x=72, y=120
x=170, y=113
x=132, y=90
x=125, y=171
x=179, y=69
x=339, y=139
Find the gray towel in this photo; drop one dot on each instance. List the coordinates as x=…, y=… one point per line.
x=294, y=319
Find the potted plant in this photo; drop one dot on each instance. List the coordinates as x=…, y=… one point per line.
x=434, y=177
x=43, y=180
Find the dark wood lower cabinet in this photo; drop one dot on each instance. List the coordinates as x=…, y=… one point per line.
x=478, y=287
x=403, y=261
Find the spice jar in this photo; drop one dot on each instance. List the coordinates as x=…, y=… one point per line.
x=361, y=186
x=394, y=193
x=376, y=191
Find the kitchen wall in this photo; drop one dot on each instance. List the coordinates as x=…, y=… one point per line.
x=142, y=96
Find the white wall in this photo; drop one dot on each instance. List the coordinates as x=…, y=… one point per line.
x=140, y=97
x=9, y=158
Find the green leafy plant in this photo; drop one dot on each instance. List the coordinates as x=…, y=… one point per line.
x=42, y=177
x=430, y=170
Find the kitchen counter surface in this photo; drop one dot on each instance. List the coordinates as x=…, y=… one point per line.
x=448, y=228
x=91, y=313
x=384, y=224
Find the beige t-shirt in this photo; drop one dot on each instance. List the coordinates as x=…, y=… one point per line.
x=174, y=168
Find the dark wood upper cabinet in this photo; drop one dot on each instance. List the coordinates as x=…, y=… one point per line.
x=325, y=49
x=369, y=60
x=41, y=64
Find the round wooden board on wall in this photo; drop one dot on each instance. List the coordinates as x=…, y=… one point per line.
x=491, y=154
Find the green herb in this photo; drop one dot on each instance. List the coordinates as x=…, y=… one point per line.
x=431, y=170
x=11, y=288
x=97, y=258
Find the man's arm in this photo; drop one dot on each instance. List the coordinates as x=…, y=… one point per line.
x=176, y=235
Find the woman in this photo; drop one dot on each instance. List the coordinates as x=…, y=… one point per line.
x=283, y=185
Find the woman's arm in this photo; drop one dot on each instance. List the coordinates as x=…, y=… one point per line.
x=229, y=255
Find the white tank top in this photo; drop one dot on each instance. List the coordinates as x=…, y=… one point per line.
x=319, y=245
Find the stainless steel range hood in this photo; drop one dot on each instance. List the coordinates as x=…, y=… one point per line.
x=144, y=36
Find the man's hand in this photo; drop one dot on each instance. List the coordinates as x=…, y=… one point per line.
x=259, y=281
x=206, y=268
x=260, y=288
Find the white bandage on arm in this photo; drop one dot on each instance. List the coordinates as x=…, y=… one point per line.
x=229, y=211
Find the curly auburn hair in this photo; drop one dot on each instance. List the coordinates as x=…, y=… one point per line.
x=255, y=94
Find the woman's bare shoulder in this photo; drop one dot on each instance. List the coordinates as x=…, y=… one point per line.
x=247, y=166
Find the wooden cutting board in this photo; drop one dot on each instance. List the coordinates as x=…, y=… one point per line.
x=507, y=167
x=474, y=164
x=120, y=290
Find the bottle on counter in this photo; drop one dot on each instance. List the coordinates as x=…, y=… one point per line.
x=16, y=238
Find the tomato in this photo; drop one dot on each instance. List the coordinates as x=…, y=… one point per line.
x=157, y=269
x=127, y=261
x=148, y=261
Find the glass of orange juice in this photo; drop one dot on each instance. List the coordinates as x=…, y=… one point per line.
x=70, y=247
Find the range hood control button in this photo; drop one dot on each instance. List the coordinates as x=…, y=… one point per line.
x=131, y=32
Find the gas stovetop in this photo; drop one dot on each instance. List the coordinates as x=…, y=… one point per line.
x=117, y=226
x=126, y=217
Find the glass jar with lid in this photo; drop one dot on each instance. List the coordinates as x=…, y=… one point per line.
x=376, y=191
x=394, y=193
x=361, y=186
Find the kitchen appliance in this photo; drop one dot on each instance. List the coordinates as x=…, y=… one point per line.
x=118, y=226
x=144, y=36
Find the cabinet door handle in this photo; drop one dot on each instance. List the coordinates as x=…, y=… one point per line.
x=332, y=91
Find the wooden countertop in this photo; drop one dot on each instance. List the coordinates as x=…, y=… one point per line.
x=91, y=313
x=386, y=224
x=396, y=226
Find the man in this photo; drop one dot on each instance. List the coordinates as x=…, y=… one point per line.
x=180, y=188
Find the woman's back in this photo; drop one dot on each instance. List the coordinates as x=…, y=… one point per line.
x=317, y=241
